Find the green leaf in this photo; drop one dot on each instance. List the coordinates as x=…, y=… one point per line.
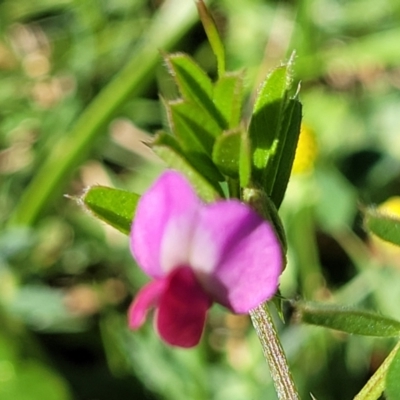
x=286, y=151
x=168, y=149
x=226, y=152
x=194, y=84
x=384, y=225
x=231, y=155
x=201, y=162
x=212, y=35
x=228, y=97
x=245, y=161
x=192, y=126
x=114, y=206
x=193, y=138
x=265, y=126
x=346, y=319
x=392, y=378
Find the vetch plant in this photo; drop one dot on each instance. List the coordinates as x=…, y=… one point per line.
x=208, y=230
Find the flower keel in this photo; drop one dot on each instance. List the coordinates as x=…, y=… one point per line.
x=182, y=309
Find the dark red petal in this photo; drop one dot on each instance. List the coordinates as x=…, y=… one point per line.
x=182, y=309
x=147, y=297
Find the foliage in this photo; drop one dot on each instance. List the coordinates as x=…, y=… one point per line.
x=66, y=280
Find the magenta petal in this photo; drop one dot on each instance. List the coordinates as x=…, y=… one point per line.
x=147, y=297
x=182, y=309
x=242, y=254
x=163, y=221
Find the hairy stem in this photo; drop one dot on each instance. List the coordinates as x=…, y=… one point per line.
x=274, y=354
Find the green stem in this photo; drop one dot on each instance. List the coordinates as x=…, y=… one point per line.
x=234, y=191
x=169, y=25
x=261, y=317
x=376, y=384
x=274, y=354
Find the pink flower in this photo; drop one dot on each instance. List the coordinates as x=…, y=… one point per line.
x=196, y=254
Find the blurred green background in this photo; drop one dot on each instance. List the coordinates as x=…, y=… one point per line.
x=66, y=280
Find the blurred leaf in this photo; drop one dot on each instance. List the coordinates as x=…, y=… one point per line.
x=168, y=149
x=31, y=380
x=346, y=319
x=383, y=225
x=265, y=126
x=212, y=35
x=392, y=390
x=288, y=138
x=387, y=299
x=116, y=359
x=43, y=308
x=228, y=97
x=23, y=378
x=336, y=204
x=8, y=347
x=226, y=152
x=14, y=241
x=355, y=54
x=20, y=10
x=194, y=84
x=114, y=206
x=158, y=365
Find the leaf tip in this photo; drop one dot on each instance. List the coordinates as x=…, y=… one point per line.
x=79, y=199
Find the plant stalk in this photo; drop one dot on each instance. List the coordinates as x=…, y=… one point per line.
x=261, y=316
x=273, y=353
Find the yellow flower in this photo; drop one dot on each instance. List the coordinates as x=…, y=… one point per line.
x=306, y=151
